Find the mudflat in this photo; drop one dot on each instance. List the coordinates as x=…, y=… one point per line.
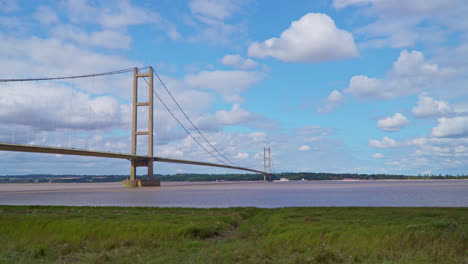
x=394, y=193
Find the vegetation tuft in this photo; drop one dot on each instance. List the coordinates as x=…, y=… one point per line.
x=48, y=234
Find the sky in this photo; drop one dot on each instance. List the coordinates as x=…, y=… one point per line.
x=345, y=86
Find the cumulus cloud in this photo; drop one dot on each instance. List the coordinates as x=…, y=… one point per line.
x=412, y=63
x=451, y=127
x=46, y=107
x=386, y=142
x=378, y=155
x=304, y=148
x=236, y=61
x=334, y=99
x=313, y=38
x=428, y=107
x=410, y=74
x=239, y=116
x=393, y=123
x=364, y=87
x=42, y=57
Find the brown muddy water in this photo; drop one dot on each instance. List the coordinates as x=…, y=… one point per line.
x=395, y=193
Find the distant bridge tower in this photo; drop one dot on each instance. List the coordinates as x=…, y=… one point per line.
x=265, y=164
x=148, y=162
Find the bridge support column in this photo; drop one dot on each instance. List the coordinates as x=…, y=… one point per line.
x=133, y=181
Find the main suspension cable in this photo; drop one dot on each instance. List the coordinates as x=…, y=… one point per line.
x=69, y=77
x=186, y=116
x=186, y=130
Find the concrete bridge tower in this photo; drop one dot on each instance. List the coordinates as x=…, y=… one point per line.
x=147, y=162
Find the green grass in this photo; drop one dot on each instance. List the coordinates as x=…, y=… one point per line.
x=47, y=234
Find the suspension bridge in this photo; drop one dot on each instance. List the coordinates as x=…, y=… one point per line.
x=135, y=159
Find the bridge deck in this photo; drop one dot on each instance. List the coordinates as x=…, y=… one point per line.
x=92, y=153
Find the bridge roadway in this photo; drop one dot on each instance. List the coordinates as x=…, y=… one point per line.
x=91, y=153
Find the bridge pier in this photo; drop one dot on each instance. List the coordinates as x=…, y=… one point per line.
x=134, y=182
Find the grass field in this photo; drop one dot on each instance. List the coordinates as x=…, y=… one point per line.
x=40, y=234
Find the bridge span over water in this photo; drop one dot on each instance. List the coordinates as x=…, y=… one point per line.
x=101, y=154
x=139, y=160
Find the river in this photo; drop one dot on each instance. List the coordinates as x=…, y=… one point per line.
x=395, y=193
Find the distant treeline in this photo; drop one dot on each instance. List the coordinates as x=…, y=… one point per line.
x=217, y=177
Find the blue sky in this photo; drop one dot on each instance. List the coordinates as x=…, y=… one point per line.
x=359, y=86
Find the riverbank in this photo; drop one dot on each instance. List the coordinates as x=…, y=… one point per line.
x=45, y=234
x=190, y=177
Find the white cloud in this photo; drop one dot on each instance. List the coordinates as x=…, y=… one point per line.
x=378, y=155
x=118, y=17
x=386, y=142
x=313, y=38
x=451, y=127
x=443, y=154
x=234, y=98
x=172, y=31
x=128, y=15
x=258, y=136
x=412, y=63
x=237, y=115
x=80, y=11
x=461, y=149
x=111, y=39
x=410, y=74
x=242, y=155
x=46, y=107
x=304, y=148
x=335, y=96
x=219, y=9
x=45, y=57
x=45, y=15
x=121, y=15
x=238, y=62
x=209, y=20
x=334, y=99
x=225, y=82
x=364, y=87
x=428, y=107
x=240, y=116
x=392, y=124
x=402, y=23
x=339, y=4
